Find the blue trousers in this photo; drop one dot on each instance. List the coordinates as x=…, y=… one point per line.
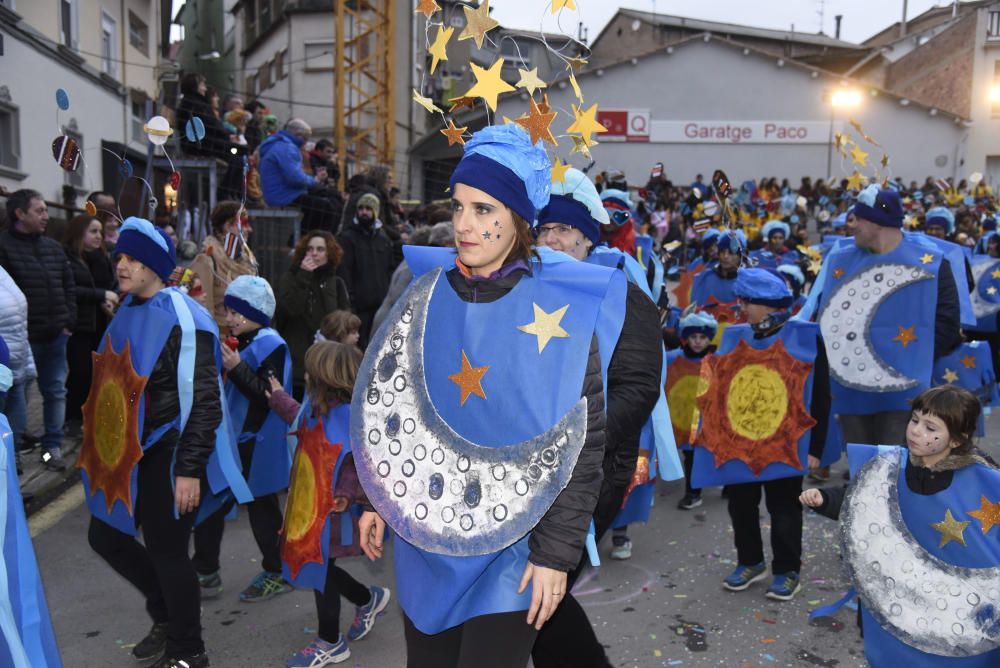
x=50, y=361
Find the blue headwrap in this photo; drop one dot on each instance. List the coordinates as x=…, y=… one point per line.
x=775, y=226
x=698, y=323
x=140, y=239
x=882, y=207
x=251, y=296
x=501, y=161
x=941, y=217
x=793, y=272
x=733, y=242
x=575, y=202
x=710, y=238
x=760, y=286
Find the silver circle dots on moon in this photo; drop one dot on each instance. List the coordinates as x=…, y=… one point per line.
x=520, y=480
x=914, y=595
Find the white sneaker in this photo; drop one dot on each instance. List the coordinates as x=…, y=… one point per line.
x=623, y=551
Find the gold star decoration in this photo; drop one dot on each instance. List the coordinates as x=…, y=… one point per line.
x=585, y=123
x=538, y=124
x=905, y=336
x=546, y=326
x=478, y=23
x=926, y=258
x=454, y=134
x=968, y=361
x=996, y=273
x=581, y=146
x=576, y=88
x=559, y=169
x=529, y=81
x=950, y=376
x=559, y=4
x=425, y=102
x=838, y=142
x=951, y=529
x=437, y=49
x=991, y=290
x=838, y=273
x=469, y=379
x=461, y=103
x=855, y=180
x=858, y=156
x=545, y=108
x=988, y=514
x=489, y=85
x=575, y=63
x=427, y=8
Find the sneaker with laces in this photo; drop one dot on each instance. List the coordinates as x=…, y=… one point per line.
x=266, y=585
x=744, y=576
x=152, y=646
x=784, y=587
x=364, y=618
x=189, y=661
x=622, y=550
x=211, y=585
x=320, y=653
x=689, y=501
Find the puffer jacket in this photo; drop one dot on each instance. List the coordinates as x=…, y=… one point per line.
x=14, y=328
x=39, y=267
x=88, y=295
x=557, y=540
x=281, y=175
x=368, y=263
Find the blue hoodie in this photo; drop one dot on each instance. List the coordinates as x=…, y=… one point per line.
x=281, y=175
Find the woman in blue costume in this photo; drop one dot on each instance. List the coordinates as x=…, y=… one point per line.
x=774, y=252
x=156, y=448
x=478, y=423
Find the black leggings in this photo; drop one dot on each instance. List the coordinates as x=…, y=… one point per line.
x=781, y=497
x=160, y=569
x=688, y=467
x=338, y=583
x=500, y=640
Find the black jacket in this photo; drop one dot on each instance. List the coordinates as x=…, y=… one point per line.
x=39, y=267
x=256, y=385
x=216, y=141
x=947, y=315
x=633, y=388
x=558, y=538
x=88, y=296
x=104, y=277
x=196, y=443
x=367, y=266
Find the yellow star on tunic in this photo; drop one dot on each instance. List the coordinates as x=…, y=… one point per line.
x=437, y=49
x=858, y=156
x=581, y=146
x=926, y=258
x=951, y=529
x=991, y=290
x=546, y=326
x=469, y=379
x=559, y=4
x=454, y=134
x=478, y=23
x=585, y=123
x=529, y=81
x=996, y=273
x=538, y=124
x=988, y=514
x=950, y=376
x=576, y=88
x=489, y=85
x=968, y=362
x=559, y=169
x=855, y=181
x=905, y=336
x=427, y=8
x=425, y=102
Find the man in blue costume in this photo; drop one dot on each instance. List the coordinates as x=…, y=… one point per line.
x=774, y=233
x=713, y=288
x=156, y=448
x=888, y=307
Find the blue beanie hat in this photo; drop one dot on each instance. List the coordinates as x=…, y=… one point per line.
x=793, y=272
x=733, y=242
x=882, y=207
x=140, y=239
x=989, y=224
x=760, y=286
x=698, y=323
x=251, y=296
x=940, y=216
x=501, y=161
x=575, y=202
x=775, y=226
x=710, y=238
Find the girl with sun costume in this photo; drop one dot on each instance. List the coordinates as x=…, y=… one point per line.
x=157, y=452
x=478, y=422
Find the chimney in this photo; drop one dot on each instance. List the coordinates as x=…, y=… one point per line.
x=838, y=18
x=902, y=24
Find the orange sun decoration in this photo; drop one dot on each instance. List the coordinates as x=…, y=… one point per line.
x=310, y=498
x=683, y=289
x=684, y=384
x=111, y=447
x=753, y=409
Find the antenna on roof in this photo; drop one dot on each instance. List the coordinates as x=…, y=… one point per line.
x=822, y=16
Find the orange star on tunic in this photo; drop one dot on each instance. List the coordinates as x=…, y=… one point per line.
x=538, y=124
x=988, y=514
x=469, y=379
x=968, y=362
x=755, y=402
x=454, y=134
x=838, y=273
x=905, y=336
x=310, y=497
x=111, y=446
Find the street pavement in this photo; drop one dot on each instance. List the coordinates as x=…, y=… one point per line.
x=663, y=607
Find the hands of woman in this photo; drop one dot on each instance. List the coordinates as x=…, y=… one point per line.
x=187, y=494
x=811, y=497
x=308, y=264
x=230, y=357
x=548, y=587
x=371, y=526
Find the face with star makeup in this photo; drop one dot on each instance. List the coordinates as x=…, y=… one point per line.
x=484, y=229
x=565, y=238
x=927, y=436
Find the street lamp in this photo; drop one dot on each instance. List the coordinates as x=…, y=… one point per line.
x=841, y=98
x=995, y=93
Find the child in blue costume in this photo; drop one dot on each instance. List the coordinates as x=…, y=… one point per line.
x=26, y=636
x=948, y=496
x=712, y=290
x=478, y=424
x=260, y=354
x=321, y=527
x=156, y=445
